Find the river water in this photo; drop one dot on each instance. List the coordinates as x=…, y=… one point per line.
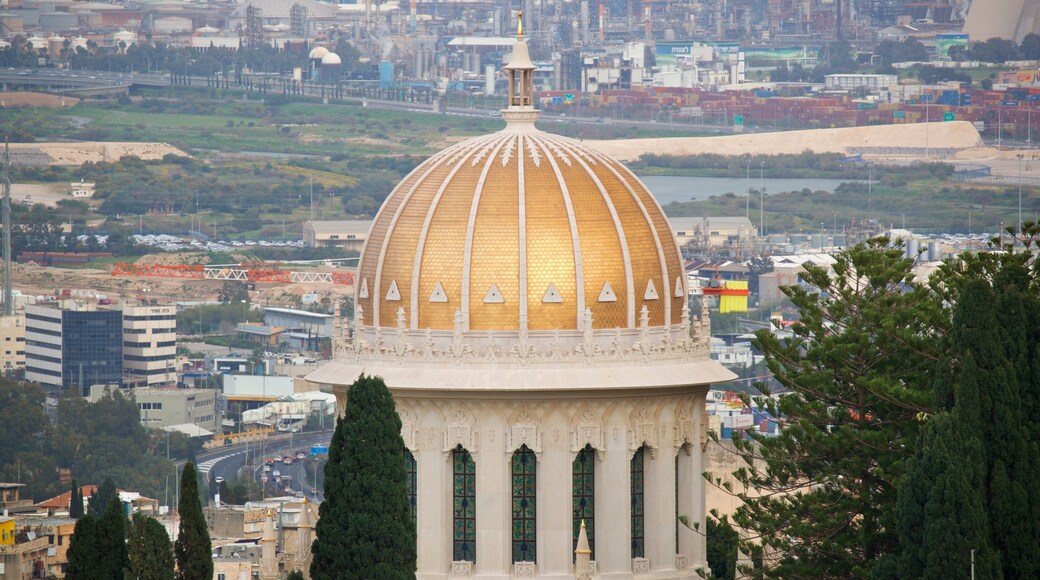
x=669, y=188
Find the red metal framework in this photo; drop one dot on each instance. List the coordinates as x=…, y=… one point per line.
x=242, y=272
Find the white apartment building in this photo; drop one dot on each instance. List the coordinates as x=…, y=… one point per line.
x=150, y=345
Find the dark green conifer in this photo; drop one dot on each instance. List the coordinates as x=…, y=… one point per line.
x=76, y=501
x=193, y=549
x=149, y=550
x=111, y=541
x=102, y=497
x=83, y=552
x=365, y=529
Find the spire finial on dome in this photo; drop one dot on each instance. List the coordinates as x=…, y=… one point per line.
x=520, y=71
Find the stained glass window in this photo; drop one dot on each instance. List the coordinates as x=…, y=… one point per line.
x=637, y=504
x=583, y=490
x=525, y=540
x=410, y=468
x=464, y=505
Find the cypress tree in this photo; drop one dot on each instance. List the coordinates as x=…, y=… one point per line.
x=973, y=482
x=193, y=549
x=76, y=501
x=149, y=550
x=329, y=546
x=1014, y=481
x=940, y=513
x=83, y=553
x=102, y=497
x=365, y=529
x=111, y=541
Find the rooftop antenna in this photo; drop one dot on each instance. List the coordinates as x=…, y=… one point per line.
x=8, y=292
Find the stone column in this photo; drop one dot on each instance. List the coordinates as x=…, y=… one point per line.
x=494, y=494
x=555, y=510
x=697, y=514
x=614, y=509
x=690, y=484
x=660, y=510
x=433, y=516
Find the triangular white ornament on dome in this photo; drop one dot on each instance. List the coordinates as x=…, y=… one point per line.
x=678, y=287
x=363, y=293
x=552, y=295
x=607, y=293
x=651, y=291
x=393, y=293
x=438, y=294
x=493, y=296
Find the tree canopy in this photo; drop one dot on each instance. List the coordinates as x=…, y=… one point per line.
x=365, y=529
x=192, y=549
x=149, y=550
x=879, y=443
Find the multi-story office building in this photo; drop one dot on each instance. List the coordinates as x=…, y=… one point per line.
x=172, y=407
x=150, y=345
x=12, y=343
x=73, y=345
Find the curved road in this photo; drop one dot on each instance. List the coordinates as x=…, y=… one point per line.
x=226, y=462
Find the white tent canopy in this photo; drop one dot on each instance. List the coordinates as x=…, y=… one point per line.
x=189, y=429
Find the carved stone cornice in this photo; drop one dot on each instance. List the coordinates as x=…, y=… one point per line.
x=644, y=345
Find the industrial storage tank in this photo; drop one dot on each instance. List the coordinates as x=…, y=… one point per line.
x=934, y=251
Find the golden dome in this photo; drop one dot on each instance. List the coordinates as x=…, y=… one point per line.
x=520, y=225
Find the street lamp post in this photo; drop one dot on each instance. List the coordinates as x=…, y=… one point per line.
x=747, y=179
x=762, y=198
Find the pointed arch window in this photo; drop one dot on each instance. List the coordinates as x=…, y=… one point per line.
x=410, y=470
x=638, y=534
x=525, y=478
x=584, y=497
x=464, y=505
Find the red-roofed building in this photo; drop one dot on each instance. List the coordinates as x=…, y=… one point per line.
x=133, y=502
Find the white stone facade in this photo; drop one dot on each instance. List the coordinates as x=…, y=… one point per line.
x=670, y=424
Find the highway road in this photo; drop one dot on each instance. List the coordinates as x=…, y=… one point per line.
x=226, y=462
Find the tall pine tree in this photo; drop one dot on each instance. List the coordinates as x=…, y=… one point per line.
x=102, y=496
x=149, y=549
x=860, y=367
x=76, y=501
x=973, y=483
x=193, y=550
x=83, y=555
x=365, y=529
x=941, y=512
x=111, y=541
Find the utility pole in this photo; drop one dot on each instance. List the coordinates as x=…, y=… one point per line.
x=8, y=291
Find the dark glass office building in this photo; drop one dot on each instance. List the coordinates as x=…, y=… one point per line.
x=91, y=348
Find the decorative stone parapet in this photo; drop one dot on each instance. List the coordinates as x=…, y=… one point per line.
x=680, y=561
x=640, y=566
x=523, y=570
x=462, y=569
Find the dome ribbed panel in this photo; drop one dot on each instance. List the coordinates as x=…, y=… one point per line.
x=550, y=254
x=673, y=258
x=495, y=254
x=377, y=235
x=602, y=259
x=400, y=252
x=445, y=244
x=639, y=233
